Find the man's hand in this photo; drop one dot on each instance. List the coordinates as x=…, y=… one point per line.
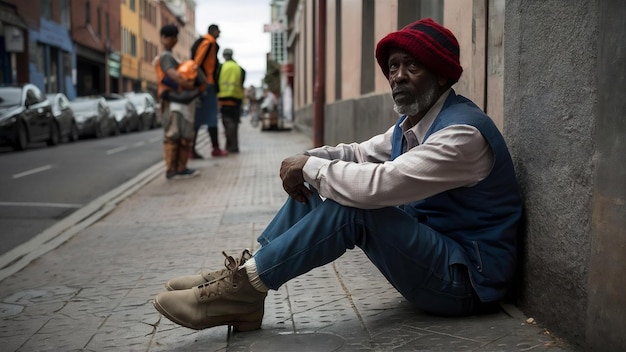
x=293, y=180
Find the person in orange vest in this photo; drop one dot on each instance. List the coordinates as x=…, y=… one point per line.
x=204, y=53
x=230, y=96
x=177, y=116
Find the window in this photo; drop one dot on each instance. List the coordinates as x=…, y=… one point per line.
x=41, y=58
x=98, y=22
x=124, y=40
x=65, y=13
x=107, y=26
x=338, y=72
x=432, y=9
x=31, y=97
x=368, y=67
x=132, y=5
x=46, y=9
x=410, y=11
x=87, y=12
x=133, y=45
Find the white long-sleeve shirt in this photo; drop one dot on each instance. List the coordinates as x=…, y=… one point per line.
x=363, y=175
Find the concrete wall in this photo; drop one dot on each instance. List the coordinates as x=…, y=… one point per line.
x=606, y=310
x=564, y=81
x=356, y=120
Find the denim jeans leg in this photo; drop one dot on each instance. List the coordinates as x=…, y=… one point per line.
x=206, y=108
x=290, y=213
x=414, y=258
x=212, y=107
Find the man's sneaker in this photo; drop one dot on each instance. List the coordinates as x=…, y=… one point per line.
x=170, y=175
x=228, y=300
x=219, y=152
x=187, y=173
x=190, y=281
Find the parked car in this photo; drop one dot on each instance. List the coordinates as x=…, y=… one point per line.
x=146, y=108
x=25, y=117
x=64, y=115
x=126, y=115
x=92, y=117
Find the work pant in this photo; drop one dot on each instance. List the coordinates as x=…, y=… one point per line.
x=230, y=120
x=178, y=136
x=413, y=257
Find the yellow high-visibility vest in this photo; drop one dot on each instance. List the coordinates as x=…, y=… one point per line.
x=230, y=85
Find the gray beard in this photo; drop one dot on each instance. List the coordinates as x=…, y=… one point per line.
x=421, y=103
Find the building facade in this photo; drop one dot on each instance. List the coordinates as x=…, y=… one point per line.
x=150, y=43
x=95, y=33
x=50, y=51
x=89, y=47
x=131, y=46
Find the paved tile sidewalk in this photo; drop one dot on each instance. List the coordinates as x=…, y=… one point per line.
x=94, y=292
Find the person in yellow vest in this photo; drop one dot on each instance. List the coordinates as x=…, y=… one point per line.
x=230, y=96
x=177, y=116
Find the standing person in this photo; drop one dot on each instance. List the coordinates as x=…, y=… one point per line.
x=230, y=97
x=204, y=53
x=177, y=117
x=433, y=202
x=253, y=105
x=269, y=110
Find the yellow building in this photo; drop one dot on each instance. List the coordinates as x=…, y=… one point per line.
x=131, y=36
x=149, y=12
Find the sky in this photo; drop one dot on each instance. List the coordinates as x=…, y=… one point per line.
x=241, y=25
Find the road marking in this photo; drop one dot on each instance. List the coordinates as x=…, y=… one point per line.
x=33, y=171
x=139, y=144
x=35, y=204
x=155, y=139
x=116, y=150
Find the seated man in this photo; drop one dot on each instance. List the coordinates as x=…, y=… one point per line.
x=433, y=202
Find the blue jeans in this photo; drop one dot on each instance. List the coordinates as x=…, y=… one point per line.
x=206, y=110
x=412, y=256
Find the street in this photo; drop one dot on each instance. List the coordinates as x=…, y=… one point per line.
x=43, y=185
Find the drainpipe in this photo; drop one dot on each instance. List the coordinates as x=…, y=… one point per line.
x=320, y=75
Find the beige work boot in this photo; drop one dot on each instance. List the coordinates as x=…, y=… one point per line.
x=227, y=300
x=189, y=281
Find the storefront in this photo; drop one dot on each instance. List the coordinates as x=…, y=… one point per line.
x=52, y=54
x=90, y=71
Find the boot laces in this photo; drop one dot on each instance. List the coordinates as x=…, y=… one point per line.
x=226, y=279
x=245, y=255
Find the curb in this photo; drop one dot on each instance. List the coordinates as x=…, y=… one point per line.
x=52, y=237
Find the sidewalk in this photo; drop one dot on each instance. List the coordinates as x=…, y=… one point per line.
x=94, y=292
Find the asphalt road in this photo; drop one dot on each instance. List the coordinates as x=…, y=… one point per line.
x=42, y=185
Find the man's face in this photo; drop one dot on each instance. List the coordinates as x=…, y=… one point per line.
x=414, y=87
x=215, y=33
x=169, y=42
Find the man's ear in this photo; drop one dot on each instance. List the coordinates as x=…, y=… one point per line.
x=442, y=81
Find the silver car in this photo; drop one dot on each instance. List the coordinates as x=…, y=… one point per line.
x=92, y=117
x=64, y=115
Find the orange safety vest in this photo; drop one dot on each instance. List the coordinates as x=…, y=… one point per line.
x=161, y=87
x=206, y=57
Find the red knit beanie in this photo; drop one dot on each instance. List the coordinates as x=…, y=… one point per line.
x=430, y=43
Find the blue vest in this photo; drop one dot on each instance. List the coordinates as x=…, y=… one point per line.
x=483, y=218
